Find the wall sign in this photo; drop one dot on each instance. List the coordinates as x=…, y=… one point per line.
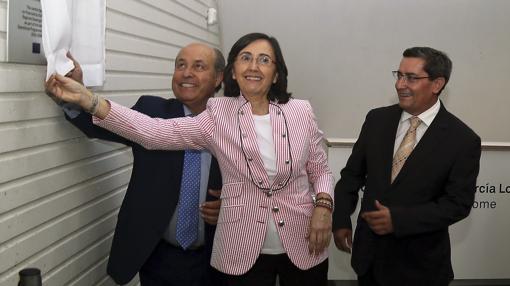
x=24, y=32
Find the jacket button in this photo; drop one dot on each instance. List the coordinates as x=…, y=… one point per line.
x=241, y=112
x=281, y=223
x=279, y=112
x=284, y=135
x=250, y=159
x=269, y=194
x=276, y=209
x=260, y=182
x=287, y=162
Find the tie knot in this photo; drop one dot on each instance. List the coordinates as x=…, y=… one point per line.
x=415, y=122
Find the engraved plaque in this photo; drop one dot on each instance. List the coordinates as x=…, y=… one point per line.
x=24, y=32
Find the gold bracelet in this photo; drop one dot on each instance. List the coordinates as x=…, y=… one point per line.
x=324, y=205
x=325, y=198
x=326, y=201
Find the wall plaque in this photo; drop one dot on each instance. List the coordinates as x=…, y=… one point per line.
x=24, y=32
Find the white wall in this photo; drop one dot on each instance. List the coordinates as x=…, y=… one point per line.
x=59, y=191
x=340, y=53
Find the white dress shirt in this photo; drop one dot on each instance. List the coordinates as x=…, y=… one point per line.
x=426, y=118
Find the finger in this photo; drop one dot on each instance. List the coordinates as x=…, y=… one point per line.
x=211, y=205
x=45, y=84
x=312, y=242
x=367, y=218
x=70, y=56
x=348, y=242
x=75, y=62
x=378, y=221
x=211, y=222
x=316, y=242
x=373, y=215
x=379, y=206
x=340, y=243
x=47, y=89
x=214, y=193
x=50, y=84
x=374, y=226
x=210, y=211
x=60, y=78
x=345, y=245
x=210, y=219
x=328, y=240
x=380, y=230
x=321, y=242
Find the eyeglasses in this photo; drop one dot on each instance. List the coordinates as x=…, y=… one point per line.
x=408, y=78
x=261, y=60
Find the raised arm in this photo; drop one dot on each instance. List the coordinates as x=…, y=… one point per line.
x=69, y=90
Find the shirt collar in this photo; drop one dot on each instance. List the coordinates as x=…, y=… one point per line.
x=426, y=117
x=187, y=112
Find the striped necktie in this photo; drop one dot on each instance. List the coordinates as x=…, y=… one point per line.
x=405, y=148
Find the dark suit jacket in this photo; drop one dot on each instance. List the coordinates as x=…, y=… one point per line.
x=152, y=194
x=434, y=189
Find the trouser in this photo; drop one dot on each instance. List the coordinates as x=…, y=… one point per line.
x=169, y=265
x=268, y=267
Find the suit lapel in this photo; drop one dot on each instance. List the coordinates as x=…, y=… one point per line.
x=436, y=132
x=173, y=108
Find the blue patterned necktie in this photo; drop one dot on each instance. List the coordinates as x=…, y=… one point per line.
x=187, y=210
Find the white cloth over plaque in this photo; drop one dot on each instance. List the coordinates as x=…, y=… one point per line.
x=77, y=26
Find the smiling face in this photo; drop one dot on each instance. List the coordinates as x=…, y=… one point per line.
x=195, y=78
x=255, y=76
x=420, y=95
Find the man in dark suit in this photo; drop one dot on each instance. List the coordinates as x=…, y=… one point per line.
x=145, y=237
x=417, y=165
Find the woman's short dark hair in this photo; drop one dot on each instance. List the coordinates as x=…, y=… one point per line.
x=278, y=91
x=437, y=63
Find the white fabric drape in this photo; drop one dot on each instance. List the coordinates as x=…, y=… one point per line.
x=77, y=26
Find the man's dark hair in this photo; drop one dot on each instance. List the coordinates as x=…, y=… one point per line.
x=219, y=65
x=437, y=63
x=278, y=91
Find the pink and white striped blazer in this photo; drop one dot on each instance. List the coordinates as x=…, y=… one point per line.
x=226, y=128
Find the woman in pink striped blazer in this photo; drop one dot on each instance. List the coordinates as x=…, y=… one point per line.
x=269, y=149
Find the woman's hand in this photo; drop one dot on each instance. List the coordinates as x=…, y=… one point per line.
x=69, y=90
x=319, y=233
